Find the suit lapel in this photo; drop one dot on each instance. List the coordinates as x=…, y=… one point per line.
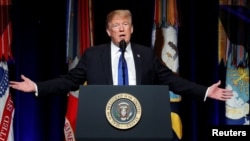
x=137, y=59
x=106, y=61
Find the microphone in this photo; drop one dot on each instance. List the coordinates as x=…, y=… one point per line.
x=123, y=45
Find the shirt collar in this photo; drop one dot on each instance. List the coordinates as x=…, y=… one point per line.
x=115, y=48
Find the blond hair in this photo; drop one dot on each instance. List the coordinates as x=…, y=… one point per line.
x=121, y=13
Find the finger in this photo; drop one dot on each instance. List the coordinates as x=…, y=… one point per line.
x=218, y=83
x=226, y=97
x=14, y=86
x=13, y=83
x=225, y=91
x=222, y=99
x=23, y=77
x=228, y=93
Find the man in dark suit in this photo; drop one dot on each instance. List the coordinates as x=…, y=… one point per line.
x=98, y=66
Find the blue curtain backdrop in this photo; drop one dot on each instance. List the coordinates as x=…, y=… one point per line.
x=198, y=42
x=39, y=50
x=39, y=53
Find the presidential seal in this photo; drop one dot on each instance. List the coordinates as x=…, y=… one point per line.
x=123, y=111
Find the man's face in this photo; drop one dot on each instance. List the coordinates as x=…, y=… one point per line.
x=120, y=28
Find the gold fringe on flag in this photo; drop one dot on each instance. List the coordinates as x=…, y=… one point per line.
x=222, y=44
x=176, y=124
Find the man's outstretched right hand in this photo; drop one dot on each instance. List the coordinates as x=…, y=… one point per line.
x=26, y=85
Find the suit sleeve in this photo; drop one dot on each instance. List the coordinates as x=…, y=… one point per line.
x=65, y=83
x=178, y=84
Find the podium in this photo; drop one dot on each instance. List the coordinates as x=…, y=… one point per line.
x=129, y=113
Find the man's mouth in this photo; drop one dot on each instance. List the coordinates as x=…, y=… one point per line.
x=122, y=36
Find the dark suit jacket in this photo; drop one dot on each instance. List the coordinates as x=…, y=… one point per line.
x=95, y=68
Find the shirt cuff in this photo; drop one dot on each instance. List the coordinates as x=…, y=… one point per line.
x=36, y=91
x=206, y=95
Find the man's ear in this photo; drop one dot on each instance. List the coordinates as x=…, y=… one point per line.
x=132, y=29
x=108, y=32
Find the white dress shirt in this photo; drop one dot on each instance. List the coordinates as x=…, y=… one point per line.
x=115, y=54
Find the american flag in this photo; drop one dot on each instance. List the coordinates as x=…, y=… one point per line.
x=6, y=103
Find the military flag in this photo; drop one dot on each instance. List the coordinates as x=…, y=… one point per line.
x=79, y=37
x=233, y=53
x=164, y=42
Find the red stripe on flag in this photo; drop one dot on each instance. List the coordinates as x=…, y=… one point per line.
x=5, y=30
x=84, y=25
x=5, y=2
x=72, y=109
x=71, y=116
x=157, y=12
x=6, y=121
